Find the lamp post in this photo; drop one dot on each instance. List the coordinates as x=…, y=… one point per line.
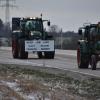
x=61, y=40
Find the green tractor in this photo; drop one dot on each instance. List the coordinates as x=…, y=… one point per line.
x=29, y=35
x=88, y=51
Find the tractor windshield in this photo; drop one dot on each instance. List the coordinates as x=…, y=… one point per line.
x=95, y=33
x=34, y=25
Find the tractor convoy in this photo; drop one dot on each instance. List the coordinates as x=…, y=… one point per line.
x=29, y=35
x=88, y=51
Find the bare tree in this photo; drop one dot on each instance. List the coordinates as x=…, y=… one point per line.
x=54, y=29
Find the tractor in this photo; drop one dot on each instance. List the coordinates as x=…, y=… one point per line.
x=88, y=52
x=29, y=35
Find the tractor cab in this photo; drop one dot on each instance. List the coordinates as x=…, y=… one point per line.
x=33, y=27
x=90, y=32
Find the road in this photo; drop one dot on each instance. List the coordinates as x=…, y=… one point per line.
x=64, y=59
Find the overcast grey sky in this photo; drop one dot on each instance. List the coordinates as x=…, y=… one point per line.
x=67, y=14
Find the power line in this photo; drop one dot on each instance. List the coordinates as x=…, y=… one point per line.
x=7, y=7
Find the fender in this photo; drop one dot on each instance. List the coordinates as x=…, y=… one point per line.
x=83, y=45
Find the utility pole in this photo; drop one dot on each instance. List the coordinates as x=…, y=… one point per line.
x=7, y=7
x=61, y=40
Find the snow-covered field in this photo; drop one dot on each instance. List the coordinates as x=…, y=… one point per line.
x=14, y=88
x=24, y=84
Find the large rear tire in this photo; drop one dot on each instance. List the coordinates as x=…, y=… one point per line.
x=15, y=48
x=22, y=54
x=82, y=60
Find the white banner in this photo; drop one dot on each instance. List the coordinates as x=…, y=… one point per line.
x=39, y=45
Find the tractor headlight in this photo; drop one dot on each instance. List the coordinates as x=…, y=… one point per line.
x=32, y=33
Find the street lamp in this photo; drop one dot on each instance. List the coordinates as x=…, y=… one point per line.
x=61, y=39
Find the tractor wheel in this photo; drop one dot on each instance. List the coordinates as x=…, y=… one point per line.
x=93, y=62
x=39, y=55
x=15, y=49
x=82, y=60
x=49, y=55
x=22, y=53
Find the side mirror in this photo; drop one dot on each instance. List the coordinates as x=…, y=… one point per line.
x=48, y=23
x=80, y=32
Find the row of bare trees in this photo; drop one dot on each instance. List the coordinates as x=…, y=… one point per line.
x=64, y=40
x=5, y=30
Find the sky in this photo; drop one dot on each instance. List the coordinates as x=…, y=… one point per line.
x=67, y=14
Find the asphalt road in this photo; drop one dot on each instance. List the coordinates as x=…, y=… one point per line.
x=64, y=59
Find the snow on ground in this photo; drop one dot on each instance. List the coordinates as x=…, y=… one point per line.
x=15, y=87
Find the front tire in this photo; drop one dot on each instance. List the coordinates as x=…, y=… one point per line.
x=49, y=55
x=93, y=62
x=39, y=55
